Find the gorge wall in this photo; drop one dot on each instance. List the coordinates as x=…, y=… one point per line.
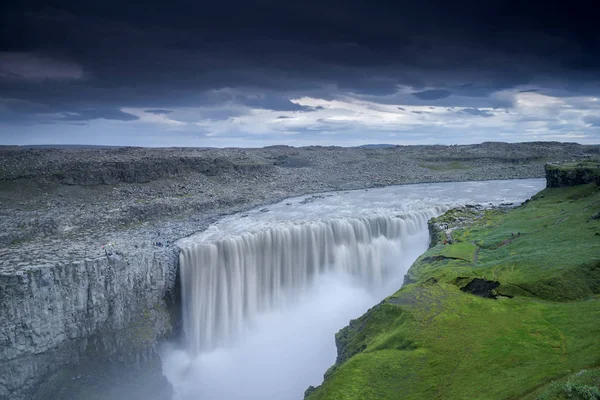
x=112, y=307
x=572, y=173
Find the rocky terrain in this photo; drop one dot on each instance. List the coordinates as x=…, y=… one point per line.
x=65, y=204
x=88, y=261
x=573, y=173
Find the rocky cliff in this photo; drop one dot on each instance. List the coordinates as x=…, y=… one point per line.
x=572, y=173
x=53, y=315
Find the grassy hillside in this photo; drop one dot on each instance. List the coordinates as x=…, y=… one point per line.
x=529, y=331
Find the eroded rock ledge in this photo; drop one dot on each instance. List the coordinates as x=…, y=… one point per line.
x=573, y=173
x=109, y=308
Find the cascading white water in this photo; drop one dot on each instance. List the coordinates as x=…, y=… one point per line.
x=226, y=283
x=265, y=292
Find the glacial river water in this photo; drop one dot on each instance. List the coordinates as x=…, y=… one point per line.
x=264, y=292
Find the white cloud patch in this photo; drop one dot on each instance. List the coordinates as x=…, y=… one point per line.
x=347, y=121
x=533, y=116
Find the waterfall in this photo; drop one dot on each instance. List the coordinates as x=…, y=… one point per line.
x=227, y=282
x=265, y=291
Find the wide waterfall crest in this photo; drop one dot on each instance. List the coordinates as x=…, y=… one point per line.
x=262, y=298
x=226, y=282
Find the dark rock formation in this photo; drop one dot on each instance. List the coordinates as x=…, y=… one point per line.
x=481, y=287
x=574, y=173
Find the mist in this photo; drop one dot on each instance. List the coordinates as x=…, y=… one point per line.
x=286, y=350
x=265, y=293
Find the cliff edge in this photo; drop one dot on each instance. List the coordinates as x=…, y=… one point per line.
x=572, y=173
x=504, y=305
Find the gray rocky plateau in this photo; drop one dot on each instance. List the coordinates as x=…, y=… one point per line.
x=67, y=304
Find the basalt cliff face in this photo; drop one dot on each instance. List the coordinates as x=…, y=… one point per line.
x=67, y=303
x=572, y=173
x=114, y=307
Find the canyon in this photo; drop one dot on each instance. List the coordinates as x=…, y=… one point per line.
x=90, y=256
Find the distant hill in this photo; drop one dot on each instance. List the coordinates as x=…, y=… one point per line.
x=376, y=146
x=89, y=146
x=69, y=146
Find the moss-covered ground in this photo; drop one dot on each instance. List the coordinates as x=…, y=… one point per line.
x=430, y=340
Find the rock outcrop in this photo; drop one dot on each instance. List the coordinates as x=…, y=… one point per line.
x=52, y=315
x=572, y=173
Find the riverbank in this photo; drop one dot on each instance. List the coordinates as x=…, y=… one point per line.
x=501, y=305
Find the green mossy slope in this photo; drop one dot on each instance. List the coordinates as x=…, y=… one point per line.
x=431, y=340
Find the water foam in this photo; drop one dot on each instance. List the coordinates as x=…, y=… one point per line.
x=226, y=283
x=264, y=292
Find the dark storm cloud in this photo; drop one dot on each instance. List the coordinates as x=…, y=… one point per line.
x=166, y=55
x=481, y=90
x=432, y=94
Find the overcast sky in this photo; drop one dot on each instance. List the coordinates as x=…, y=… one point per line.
x=242, y=73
